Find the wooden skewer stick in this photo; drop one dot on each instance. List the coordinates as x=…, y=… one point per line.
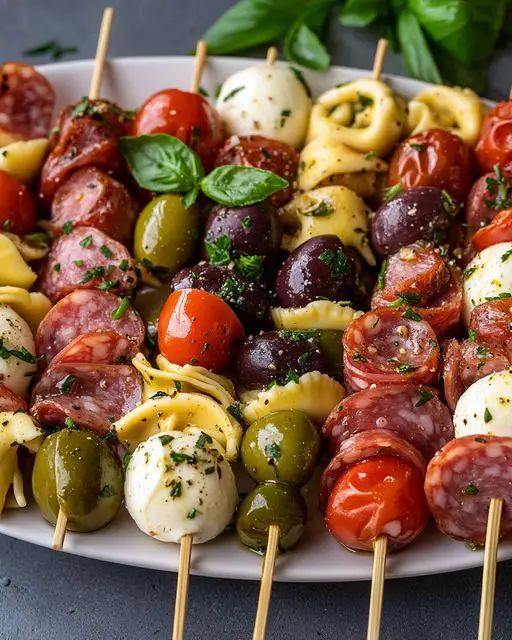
x=94, y=90
x=101, y=53
x=271, y=55
x=492, y=538
x=180, y=606
x=267, y=575
x=380, y=55
x=380, y=549
x=200, y=61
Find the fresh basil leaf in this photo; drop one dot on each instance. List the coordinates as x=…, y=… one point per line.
x=361, y=13
x=417, y=55
x=304, y=47
x=236, y=186
x=162, y=163
x=466, y=30
x=455, y=73
x=250, y=23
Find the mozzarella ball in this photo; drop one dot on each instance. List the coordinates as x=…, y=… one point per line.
x=266, y=100
x=178, y=484
x=488, y=275
x=17, y=357
x=485, y=408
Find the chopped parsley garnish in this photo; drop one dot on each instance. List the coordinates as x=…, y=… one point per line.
x=337, y=260
x=470, y=490
x=165, y=439
x=425, y=396
x=405, y=367
x=469, y=272
x=300, y=336
x=192, y=514
x=364, y=101
x=418, y=147
x=67, y=227
x=371, y=154
x=300, y=77
x=219, y=251
x=231, y=290
x=292, y=376
x=56, y=267
x=105, y=251
x=78, y=263
x=246, y=222
x=481, y=351
x=472, y=335
x=236, y=411
x=175, y=491
x=159, y=394
x=70, y=423
x=500, y=187
x=177, y=384
x=107, y=491
x=81, y=108
x=250, y=266
x=449, y=204
x=86, y=242
x=273, y=451
x=126, y=460
x=285, y=113
x=232, y=93
x=406, y=298
x=506, y=255
x=323, y=208
x=106, y=285
x=21, y=354
x=303, y=358
x=176, y=456
x=393, y=192
x=119, y=311
x=203, y=439
x=90, y=274
x=123, y=265
x=499, y=297
x=473, y=546
x=6, y=225
x=410, y=314
x=381, y=278
x=487, y=415
x=66, y=383
x=358, y=357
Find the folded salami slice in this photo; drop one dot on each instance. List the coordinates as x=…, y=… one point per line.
x=91, y=198
x=84, y=311
x=414, y=412
x=26, y=103
x=87, y=258
x=462, y=478
x=91, y=395
x=389, y=346
x=493, y=320
x=99, y=347
x=468, y=361
x=9, y=401
x=364, y=445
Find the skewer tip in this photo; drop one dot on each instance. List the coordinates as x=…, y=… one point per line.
x=199, y=64
x=267, y=575
x=60, y=531
x=180, y=606
x=380, y=55
x=271, y=55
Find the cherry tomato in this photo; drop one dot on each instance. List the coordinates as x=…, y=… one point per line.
x=495, y=143
x=263, y=153
x=499, y=230
x=433, y=158
x=490, y=194
x=187, y=116
x=379, y=496
x=196, y=327
x=17, y=205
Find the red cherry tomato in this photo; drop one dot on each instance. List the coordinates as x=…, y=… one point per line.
x=490, y=194
x=379, y=496
x=433, y=158
x=263, y=153
x=187, y=116
x=17, y=205
x=196, y=327
x=499, y=230
x=495, y=143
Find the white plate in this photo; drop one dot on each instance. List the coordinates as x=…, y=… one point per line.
x=317, y=558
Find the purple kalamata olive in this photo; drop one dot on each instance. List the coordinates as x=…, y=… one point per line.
x=247, y=298
x=278, y=356
x=416, y=214
x=253, y=230
x=321, y=268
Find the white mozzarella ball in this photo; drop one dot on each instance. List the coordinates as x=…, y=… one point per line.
x=266, y=100
x=486, y=407
x=177, y=484
x=16, y=338
x=488, y=275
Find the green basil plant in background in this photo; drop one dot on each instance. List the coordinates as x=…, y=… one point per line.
x=448, y=41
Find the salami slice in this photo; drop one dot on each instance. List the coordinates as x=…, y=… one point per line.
x=100, y=347
x=87, y=258
x=469, y=361
x=385, y=346
x=364, y=445
x=414, y=412
x=82, y=312
x=91, y=395
x=27, y=100
x=462, y=478
x=91, y=198
x=9, y=401
x=493, y=320
x=87, y=135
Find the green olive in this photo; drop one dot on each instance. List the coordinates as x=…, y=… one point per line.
x=166, y=233
x=271, y=503
x=75, y=471
x=282, y=446
x=331, y=347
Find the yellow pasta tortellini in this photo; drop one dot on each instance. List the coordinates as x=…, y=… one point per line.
x=326, y=161
x=315, y=394
x=456, y=110
x=364, y=114
x=14, y=271
x=15, y=429
x=331, y=210
x=23, y=159
x=28, y=252
x=31, y=306
x=320, y=314
x=180, y=412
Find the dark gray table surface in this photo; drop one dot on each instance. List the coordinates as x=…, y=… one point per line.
x=48, y=595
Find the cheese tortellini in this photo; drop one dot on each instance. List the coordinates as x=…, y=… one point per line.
x=320, y=314
x=327, y=210
x=456, y=110
x=15, y=429
x=31, y=306
x=364, y=114
x=315, y=394
x=23, y=159
x=14, y=271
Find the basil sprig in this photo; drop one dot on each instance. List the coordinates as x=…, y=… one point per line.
x=164, y=164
